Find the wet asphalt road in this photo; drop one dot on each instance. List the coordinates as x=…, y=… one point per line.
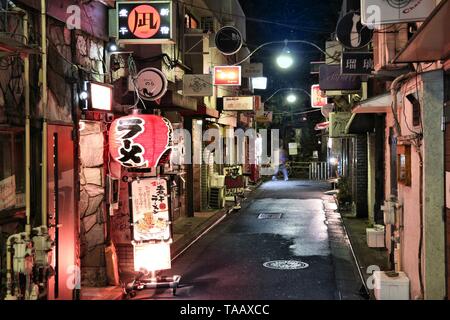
x=227, y=263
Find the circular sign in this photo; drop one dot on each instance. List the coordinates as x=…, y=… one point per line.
x=286, y=265
x=398, y=4
x=151, y=84
x=351, y=33
x=144, y=21
x=229, y=40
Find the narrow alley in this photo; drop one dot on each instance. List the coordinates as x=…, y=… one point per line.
x=229, y=261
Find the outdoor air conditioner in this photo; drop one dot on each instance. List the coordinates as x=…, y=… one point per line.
x=391, y=285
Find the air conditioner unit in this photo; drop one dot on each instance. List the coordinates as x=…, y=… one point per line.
x=391, y=285
x=388, y=42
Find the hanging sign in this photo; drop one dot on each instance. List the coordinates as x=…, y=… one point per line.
x=197, y=85
x=141, y=140
x=151, y=84
x=331, y=79
x=149, y=22
x=264, y=117
x=239, y=103
x=229, y=40
x=351, y=33
x=317, y=98
x=376, y=12
x=150, y=205
x=227, y=76
x=252, y=70
x=357, y=63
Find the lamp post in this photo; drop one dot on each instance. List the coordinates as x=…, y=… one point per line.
x=285, y=60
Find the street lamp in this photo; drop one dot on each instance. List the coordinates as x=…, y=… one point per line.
x=285, y=60
x=292, y=98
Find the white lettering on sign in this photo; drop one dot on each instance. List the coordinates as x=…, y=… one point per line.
x=74, y=20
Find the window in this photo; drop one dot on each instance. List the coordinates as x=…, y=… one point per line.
x=190, y=22
x=12, y=169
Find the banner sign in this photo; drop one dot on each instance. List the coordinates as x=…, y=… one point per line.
x=149, y=22
x=197, y=85
x=8, y=193
x=357, y=63
x=150, y=207
x=332, y=79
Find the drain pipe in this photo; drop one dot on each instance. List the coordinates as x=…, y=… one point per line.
x=26, y=61
x=44, y=113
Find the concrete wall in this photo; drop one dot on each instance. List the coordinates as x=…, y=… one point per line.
x=430, y=90
x=434, y=196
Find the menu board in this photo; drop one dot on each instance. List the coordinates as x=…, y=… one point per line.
x=150, y=209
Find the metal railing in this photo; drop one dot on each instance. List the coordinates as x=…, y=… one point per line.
x=319, y=171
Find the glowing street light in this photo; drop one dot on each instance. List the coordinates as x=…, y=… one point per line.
x=292, y=98
x=285, y=60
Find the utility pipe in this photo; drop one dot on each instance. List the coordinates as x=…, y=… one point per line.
x=44, y=102
x=26, y=61
x=9, y=243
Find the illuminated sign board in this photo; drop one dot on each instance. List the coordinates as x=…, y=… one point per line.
x=101, y=97
x=317, y=101
x=227, y=76
x=145, y=22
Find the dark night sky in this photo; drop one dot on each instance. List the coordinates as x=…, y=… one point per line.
x=311, y=20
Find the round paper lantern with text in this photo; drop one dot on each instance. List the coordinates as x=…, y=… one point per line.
x=140, y=140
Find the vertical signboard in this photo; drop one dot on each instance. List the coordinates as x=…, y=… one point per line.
x=317, y=100
x=150, y=207
x=149, y=22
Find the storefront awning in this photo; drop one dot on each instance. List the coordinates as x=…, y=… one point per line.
x=322, y=126
x=378, y=104
x=360, y=123
x=432, y=41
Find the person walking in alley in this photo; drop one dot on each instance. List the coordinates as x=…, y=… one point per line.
x=282, y=165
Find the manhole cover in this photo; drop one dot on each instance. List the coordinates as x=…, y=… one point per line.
x=270, y=216
x=286, y=265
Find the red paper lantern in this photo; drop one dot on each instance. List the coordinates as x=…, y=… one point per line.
x=140, y=140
